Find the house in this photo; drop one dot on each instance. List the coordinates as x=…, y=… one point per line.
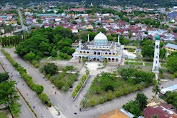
x=74, y=30
x=163, y=110
x=170, y=48
x=170, y=88
x=116, y=114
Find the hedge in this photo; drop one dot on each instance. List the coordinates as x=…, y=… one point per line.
x=28, y=79
x=80, y=84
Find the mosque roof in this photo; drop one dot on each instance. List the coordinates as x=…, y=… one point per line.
x=100, y=36
x=157, y=37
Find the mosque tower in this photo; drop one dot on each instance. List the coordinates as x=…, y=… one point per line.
x=156, y=64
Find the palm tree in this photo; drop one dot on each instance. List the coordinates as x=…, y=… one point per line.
x=156, y=89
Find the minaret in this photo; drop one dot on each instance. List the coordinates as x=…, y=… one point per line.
x=118, y=40
x=88, y=40
x=156, y=64
x=80, y=45
x=115, y=47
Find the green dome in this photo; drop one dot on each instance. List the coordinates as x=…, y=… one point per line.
x=157, y=37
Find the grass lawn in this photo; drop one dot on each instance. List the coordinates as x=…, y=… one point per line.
x=137, y=59
x=148, y=64
x=3, y=115
x=60, y=58
x=134, y=63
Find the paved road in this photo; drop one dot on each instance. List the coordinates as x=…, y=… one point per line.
x=21, y=20
x=25, y=111
x=66, y=106
x=29, y=95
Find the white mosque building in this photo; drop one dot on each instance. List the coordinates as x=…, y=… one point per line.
x=100, y=49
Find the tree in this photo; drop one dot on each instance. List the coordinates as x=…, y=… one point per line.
x=172, y=63
x=29, y=56
x=133, y=107
x=46, y=42
x=50, y=68
x=147, y=49
x=162, y=53
x=156, y=89
x=9, y=97
x=3, y=77
x=175, y=30
x=103, y=30
x=171, y=98
x=142, y=99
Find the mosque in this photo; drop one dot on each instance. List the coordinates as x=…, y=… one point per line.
x=100, y=49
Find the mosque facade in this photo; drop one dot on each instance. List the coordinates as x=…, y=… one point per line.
x=100, y=49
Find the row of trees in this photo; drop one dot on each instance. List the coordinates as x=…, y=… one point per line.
x=10, y=41
x=14, y=40
x=9, y=95
x=135, y=76
x=35, y=87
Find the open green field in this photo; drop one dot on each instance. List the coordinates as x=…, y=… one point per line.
x=3, y=115
x=107, y=86
x=63, y=80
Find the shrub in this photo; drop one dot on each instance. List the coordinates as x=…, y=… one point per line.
x=50, y=68
x=38, y=89
x=45, y=99
x=175, y=74
x=35, y=63
x=118, y=93
x=74, y=94
x=48, y=76
x=171, y=76
x=92, y=102
x=161, y=75
x=109, y=96
x=101, y=100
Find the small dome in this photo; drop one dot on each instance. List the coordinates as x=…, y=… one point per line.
x=157, y=37
x=100, y=36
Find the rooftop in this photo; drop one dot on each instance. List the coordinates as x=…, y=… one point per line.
x=173, y=46
x=114, y=114
x=162, y=111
